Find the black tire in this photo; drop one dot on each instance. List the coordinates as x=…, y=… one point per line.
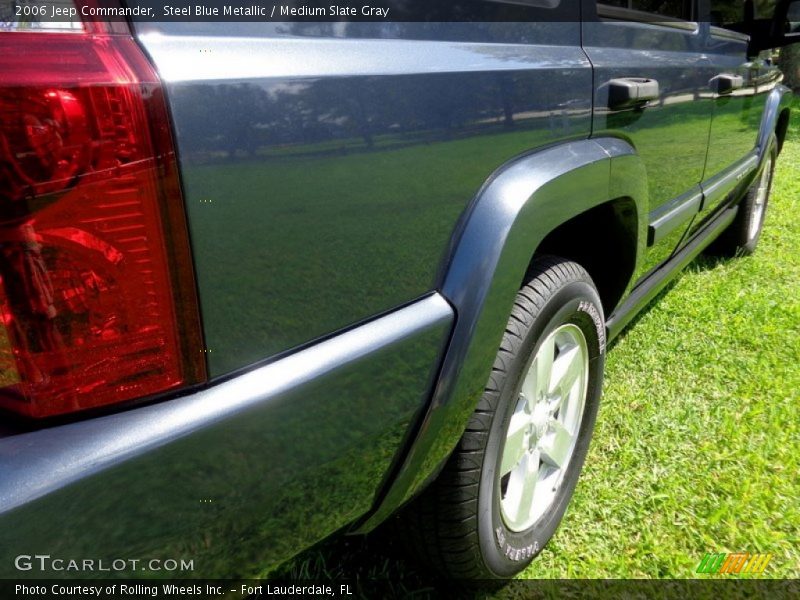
x=741, y=237
x=456, y=526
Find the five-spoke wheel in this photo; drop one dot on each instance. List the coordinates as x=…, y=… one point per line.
x=542, y=430
x=504, y=490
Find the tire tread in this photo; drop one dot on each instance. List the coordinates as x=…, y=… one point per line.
x=440, y=527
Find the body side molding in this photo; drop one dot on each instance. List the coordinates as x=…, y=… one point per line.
x=674, y=214
x=647, y=290
x=509, y=218
x=719, y=187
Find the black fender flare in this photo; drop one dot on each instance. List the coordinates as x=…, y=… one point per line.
x=779, y=99
x=512, y=213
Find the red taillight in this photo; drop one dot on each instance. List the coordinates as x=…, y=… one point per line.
x=96, y=290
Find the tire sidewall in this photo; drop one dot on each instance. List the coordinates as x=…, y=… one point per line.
x=506, y=552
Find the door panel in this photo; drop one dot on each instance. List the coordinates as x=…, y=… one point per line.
x=738, y=111
x=670, y=133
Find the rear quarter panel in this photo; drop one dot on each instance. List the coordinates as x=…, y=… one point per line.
x=326, y=166
x=325, y=171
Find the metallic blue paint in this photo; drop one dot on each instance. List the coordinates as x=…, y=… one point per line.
x=200, y=476
x=325, y=170
x=510, y=217
x=778, y=101
x=334, y=173
x=670, y=134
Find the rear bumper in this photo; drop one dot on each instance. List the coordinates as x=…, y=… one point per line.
x=236, y=477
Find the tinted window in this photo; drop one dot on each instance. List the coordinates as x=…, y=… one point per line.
x=678, y=9
x=728, y=12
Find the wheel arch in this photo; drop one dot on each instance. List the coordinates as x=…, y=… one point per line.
x=531, y=200
x=603, y=240
x=775, y=119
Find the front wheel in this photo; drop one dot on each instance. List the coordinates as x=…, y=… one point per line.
x=741, y=237
x=506, y=487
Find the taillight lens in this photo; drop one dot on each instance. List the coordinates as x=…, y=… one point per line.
x=96, y=290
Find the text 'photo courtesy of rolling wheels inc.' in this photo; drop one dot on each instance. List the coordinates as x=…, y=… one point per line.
x=399, y=299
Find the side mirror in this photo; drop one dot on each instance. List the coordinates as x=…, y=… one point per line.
x=793, y=18
x=783, y=29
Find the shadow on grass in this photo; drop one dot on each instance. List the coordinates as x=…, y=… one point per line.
x=382, y=566
x=381, y=560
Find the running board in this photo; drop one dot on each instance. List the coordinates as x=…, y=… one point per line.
x=649, y=288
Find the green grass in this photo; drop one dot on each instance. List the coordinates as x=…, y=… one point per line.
x=697, y=445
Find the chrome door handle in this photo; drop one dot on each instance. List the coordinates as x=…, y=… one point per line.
x=628, y=92
x=726, y=83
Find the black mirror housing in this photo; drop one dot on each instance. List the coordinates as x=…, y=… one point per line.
x=781, y=30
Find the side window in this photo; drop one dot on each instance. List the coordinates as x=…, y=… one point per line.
x=725, y=13
x=675, y=9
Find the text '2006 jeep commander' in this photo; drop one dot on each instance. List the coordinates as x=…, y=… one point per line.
x=316, y=272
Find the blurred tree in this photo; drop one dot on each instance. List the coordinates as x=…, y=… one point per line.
x=789, y=63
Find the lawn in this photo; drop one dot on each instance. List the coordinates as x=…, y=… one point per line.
x=697, y=446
